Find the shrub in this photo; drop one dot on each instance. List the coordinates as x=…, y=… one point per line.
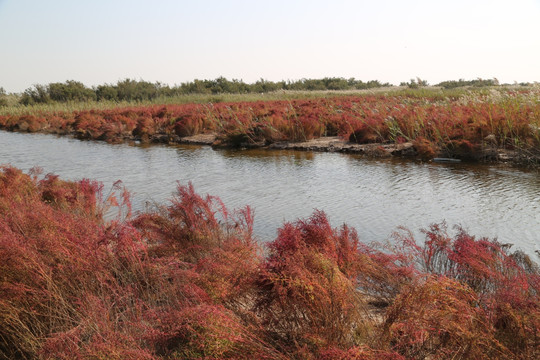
x=70, y=91
x=439, y=319
x=306, y=289
x=364, y=135
x=505, y=286
x=426, y=149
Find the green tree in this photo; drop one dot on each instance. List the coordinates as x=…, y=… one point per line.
x=130, y=90
x=3, y=97
x=107, y=92
x=38, y=94
x=71, y=90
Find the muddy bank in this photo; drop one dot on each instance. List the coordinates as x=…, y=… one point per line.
x=490, y=153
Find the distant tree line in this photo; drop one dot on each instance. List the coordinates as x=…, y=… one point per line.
x=139, y=90
x=134, y=90
x=415, y=83
x=452, y=84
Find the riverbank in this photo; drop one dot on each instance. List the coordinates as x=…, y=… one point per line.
x=490, y=154
x=498, y=126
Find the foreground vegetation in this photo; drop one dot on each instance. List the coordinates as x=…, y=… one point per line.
x=463, y=124
x=189, y=281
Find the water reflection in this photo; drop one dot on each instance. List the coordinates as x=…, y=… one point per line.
x=295, y=157
x=375, y=196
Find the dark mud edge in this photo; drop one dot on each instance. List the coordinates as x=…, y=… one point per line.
x=489, y=153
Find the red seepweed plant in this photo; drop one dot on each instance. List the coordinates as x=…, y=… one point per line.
x=505, y=286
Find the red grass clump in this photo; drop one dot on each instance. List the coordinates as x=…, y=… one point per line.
x=439, y=318
x=306, y=287
x=426, y=149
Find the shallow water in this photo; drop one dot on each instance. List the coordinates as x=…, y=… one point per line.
x=374, y=196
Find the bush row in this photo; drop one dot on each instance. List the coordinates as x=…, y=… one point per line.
x=140, y=90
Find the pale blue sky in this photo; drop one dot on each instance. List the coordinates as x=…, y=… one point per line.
x=103, y=41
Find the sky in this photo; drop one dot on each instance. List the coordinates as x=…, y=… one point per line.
x=175, y=41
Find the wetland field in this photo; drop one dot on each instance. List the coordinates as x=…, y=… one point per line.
x=331, y=229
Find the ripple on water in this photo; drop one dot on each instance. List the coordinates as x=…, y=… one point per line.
x=374, y=196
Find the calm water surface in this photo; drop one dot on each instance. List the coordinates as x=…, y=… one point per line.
x=374, y=196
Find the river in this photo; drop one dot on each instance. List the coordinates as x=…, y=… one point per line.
x=374, y=196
